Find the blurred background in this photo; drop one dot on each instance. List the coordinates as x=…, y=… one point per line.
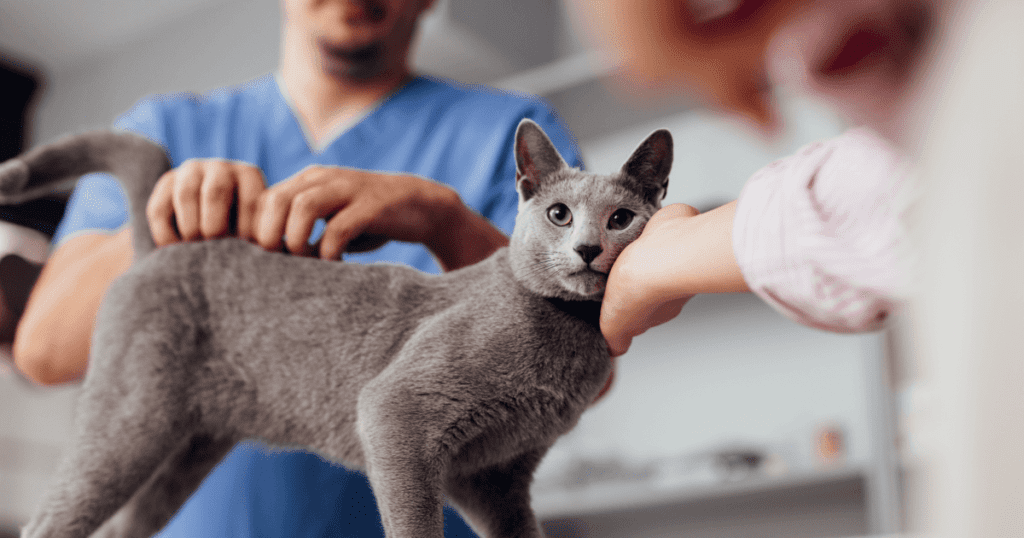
x=730, y=421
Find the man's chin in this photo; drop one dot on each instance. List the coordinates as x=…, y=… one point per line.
x=360, y=63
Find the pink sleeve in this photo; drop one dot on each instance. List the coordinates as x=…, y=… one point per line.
x=819, y=235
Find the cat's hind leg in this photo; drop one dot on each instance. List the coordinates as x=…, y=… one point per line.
x=496, y=500
x=133, y=412
x=167, y=489
x=115, y=451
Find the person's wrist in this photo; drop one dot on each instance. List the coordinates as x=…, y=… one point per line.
x=699, y=258
x=448, y=220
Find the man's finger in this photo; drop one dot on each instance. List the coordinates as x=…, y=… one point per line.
x=343, y=228
x=216, y=193
x=307, y=206
x=250, y=185
x=271, y=216
x=160, y=212
x=185, y=199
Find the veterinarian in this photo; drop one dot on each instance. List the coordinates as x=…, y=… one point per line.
x=817, y=235
x=343, y=132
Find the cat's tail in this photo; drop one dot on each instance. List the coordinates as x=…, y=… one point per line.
x=135, y=161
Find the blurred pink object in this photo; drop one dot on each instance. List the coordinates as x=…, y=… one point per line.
x=818, y=235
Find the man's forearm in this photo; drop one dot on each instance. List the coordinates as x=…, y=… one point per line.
x=51, y=344
x=464, y=237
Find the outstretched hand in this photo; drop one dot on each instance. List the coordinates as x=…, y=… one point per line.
x=642, y=290
x=679, y=254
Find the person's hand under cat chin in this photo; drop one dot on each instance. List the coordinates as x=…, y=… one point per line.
x=679, y=254
x=194, y=200
x=362, y=204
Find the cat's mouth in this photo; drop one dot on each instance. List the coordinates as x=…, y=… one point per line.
x=587, y=282
x=590, y=271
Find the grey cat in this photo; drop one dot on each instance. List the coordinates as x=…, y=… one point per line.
x=438, y=386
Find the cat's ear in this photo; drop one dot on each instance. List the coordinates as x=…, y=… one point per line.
x=536, y=158
x=650, y=164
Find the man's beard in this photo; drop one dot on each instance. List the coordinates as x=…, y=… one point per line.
x=363, y=63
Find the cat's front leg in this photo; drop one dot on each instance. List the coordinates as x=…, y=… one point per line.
x=496, y=500
x=403, y=461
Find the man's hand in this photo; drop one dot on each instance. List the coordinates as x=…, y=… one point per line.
x=679, y=254
x=354, y=202
x=193, y=201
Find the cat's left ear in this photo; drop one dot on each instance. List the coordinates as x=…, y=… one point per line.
x=650, y=164
x=536, y=158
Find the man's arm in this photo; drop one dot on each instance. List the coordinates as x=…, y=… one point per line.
x=462, y=236
x=399, y=207
x=51, y=344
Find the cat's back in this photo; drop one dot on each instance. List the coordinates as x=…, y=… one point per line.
x=256, y=303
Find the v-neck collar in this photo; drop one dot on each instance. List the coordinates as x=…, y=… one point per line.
x=340, y=129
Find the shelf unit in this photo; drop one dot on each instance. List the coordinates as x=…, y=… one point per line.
x=619, y=498
x=812, y=505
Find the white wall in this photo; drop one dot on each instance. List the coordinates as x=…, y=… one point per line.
x=225, y=44
x=714, y=155
x=730, y=371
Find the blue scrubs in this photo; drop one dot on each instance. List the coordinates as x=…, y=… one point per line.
x=455, y=134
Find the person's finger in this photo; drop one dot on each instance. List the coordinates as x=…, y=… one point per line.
x=271, y=215
x=216, y=193
x=275, y=204
x=618, y=346
x=677, y=210
x=307, y=206
x=185, y=198
x=615, y=325
x=345, y=226
x=160, y=212
x=607, y=384
x=250, y=185
x=666, y=312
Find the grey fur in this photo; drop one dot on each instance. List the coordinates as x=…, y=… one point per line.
x=451, y=385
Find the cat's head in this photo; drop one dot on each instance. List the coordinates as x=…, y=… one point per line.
x=572, y=224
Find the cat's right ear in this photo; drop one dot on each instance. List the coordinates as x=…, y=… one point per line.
x=650, y=165
x=536, y=158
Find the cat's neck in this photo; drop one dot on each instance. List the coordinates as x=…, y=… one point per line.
x=588, y=311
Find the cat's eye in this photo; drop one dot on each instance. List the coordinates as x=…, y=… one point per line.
x=560, y=215
x=620, y=219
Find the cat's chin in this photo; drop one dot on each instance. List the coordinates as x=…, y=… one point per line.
x=585, y=285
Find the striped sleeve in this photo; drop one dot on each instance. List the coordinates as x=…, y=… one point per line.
x=820, y=235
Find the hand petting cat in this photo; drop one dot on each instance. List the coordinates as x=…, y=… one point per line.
x=679, y=254
x=363, y=210
x=193, y=201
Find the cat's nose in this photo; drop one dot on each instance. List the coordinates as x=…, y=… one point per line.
x=588, y=252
